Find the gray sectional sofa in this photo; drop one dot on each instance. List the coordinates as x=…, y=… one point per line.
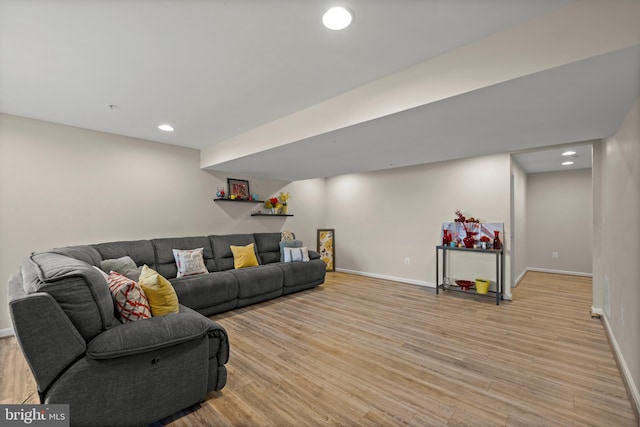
x=135, y=373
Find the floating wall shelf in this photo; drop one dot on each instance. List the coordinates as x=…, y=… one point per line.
x=238, y=201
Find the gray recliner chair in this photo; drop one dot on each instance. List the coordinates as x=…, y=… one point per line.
x=110, y=373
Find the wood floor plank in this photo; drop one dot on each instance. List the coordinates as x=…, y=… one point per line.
x=361, y=351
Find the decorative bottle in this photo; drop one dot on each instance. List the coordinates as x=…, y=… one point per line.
x=497, y=244
x=446, y=238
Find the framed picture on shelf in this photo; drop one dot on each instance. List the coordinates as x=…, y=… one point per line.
x=326, y=247
x=238, y=188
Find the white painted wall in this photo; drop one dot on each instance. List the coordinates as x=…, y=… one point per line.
x=560, y=219
x=617, y=238
x=383, y=217
x=61, y=185
x=519, y=219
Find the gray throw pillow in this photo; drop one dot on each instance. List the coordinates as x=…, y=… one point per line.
x=119, y=265
x=133, y=274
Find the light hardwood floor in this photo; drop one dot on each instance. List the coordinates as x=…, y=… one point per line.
x=359, y=351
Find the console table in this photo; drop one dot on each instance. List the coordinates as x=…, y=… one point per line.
x=499, y=254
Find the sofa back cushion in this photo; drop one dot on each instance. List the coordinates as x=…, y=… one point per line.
x=80, y=290
x=85, y=253
x=165, y=260
x=268, y=247
x=140, y=251
x=222, y=248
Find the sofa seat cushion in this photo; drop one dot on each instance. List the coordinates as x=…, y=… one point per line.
x=254, y=281
x=206, y=290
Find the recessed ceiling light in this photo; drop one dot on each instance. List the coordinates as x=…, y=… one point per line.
x=569, y=153
x=166, y=128
x=337, y=18
x=567, y=163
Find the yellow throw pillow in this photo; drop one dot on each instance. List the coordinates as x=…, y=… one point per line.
x=159, y=291
x=244, y=256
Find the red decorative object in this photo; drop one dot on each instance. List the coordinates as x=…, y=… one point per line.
x=497, y=244
x=465, y=285
x=446, y=237
x=470, y=240
x=468, y=224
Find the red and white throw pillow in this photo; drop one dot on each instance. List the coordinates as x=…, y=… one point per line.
x=131, y=302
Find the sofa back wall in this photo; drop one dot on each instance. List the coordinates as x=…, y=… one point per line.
x=61, y=186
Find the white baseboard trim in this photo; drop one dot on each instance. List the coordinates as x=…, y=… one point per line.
x=548, y=270
x=401, y=279
x=385, y=277
x=631, y=385
x=6, y=332
x=520, y=277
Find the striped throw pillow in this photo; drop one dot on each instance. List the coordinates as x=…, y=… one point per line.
x=296, y=254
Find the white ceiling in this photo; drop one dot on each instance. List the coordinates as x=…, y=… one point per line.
x=221, y=71
x=551, y=160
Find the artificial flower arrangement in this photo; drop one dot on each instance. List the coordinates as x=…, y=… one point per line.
x=271, y=203
x=469, y=240
x=463, y=219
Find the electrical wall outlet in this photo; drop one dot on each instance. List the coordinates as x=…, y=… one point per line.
x=554, y=254
x=407, y=261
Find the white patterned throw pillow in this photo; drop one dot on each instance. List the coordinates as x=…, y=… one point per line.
x=131, y=302
x=296, y=254
x=189, y=262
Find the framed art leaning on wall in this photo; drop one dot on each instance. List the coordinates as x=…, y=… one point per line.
x=327, y=247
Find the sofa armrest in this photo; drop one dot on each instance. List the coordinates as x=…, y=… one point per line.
x=218, y=339
x=151, y=334
x=45, y=334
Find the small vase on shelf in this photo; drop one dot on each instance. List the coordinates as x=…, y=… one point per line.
x=273, y=211
x=468, y=242
x=283, y=210
x=446, y=238
x=497, y=244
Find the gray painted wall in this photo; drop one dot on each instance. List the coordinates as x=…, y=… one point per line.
x=560, y=219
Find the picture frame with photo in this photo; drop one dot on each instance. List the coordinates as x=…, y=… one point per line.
x=238, y=188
